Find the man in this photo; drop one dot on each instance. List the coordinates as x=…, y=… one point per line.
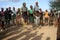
x=25, y=13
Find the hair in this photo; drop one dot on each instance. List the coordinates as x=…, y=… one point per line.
x=31, y=6
x=24, y=3
x=36, y=2
x=2, y=9
x=40, y=9
x=46, y=10
x=13, y=8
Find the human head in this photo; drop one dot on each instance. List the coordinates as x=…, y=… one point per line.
x=36, y=3
x=51, y=10
x=24, y=4
x=14, y=8
x=9, y=8
x=31, y=6
x=18, y=9
x=40, y=9
x=46, y=10
x=2, y=9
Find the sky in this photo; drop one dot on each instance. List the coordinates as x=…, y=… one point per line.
x=44, y=4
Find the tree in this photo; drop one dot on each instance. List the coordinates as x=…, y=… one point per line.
x=55, y=4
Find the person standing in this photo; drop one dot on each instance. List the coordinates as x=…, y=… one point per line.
x=2, y=18
x=36, y=19
x=51, y=19
x=7, y=16
x=10, y=14
x=36, y=8
x=55, y=16
x=2, y=12
x=14, y=15
x=46, y=15
x=41, y=17
x=31, y=12
x=36, y=15
x=18, y=17
x=25, y=13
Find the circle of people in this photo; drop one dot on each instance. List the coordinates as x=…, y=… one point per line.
x=34, y=16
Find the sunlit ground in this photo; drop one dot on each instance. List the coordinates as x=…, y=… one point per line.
x=30, y=33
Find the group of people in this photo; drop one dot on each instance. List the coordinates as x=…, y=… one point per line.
x=34, y=16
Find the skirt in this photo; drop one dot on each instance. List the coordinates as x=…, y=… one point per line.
x=24, y=15
x=31, y=18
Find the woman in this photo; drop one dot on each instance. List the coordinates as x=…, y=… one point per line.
x=25, y=13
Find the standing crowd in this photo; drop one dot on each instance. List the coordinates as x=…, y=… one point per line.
x=34, y=16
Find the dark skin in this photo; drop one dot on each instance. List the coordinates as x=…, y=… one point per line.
x=31, y=7
x=9, y=8
x=24, y=4
x=36, y=3
x=14, y=8
x=41, y=21
x=2, y=9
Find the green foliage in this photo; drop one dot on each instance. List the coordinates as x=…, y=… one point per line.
x=55, y=4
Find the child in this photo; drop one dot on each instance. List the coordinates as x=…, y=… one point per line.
x=41, y=17
x=31, y=11
x=46, y=15
x=18, y=17
x=37, y=19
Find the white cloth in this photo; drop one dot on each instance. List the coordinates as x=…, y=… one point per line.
x=14, y=12
x=37, y=20
x=36, y=8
